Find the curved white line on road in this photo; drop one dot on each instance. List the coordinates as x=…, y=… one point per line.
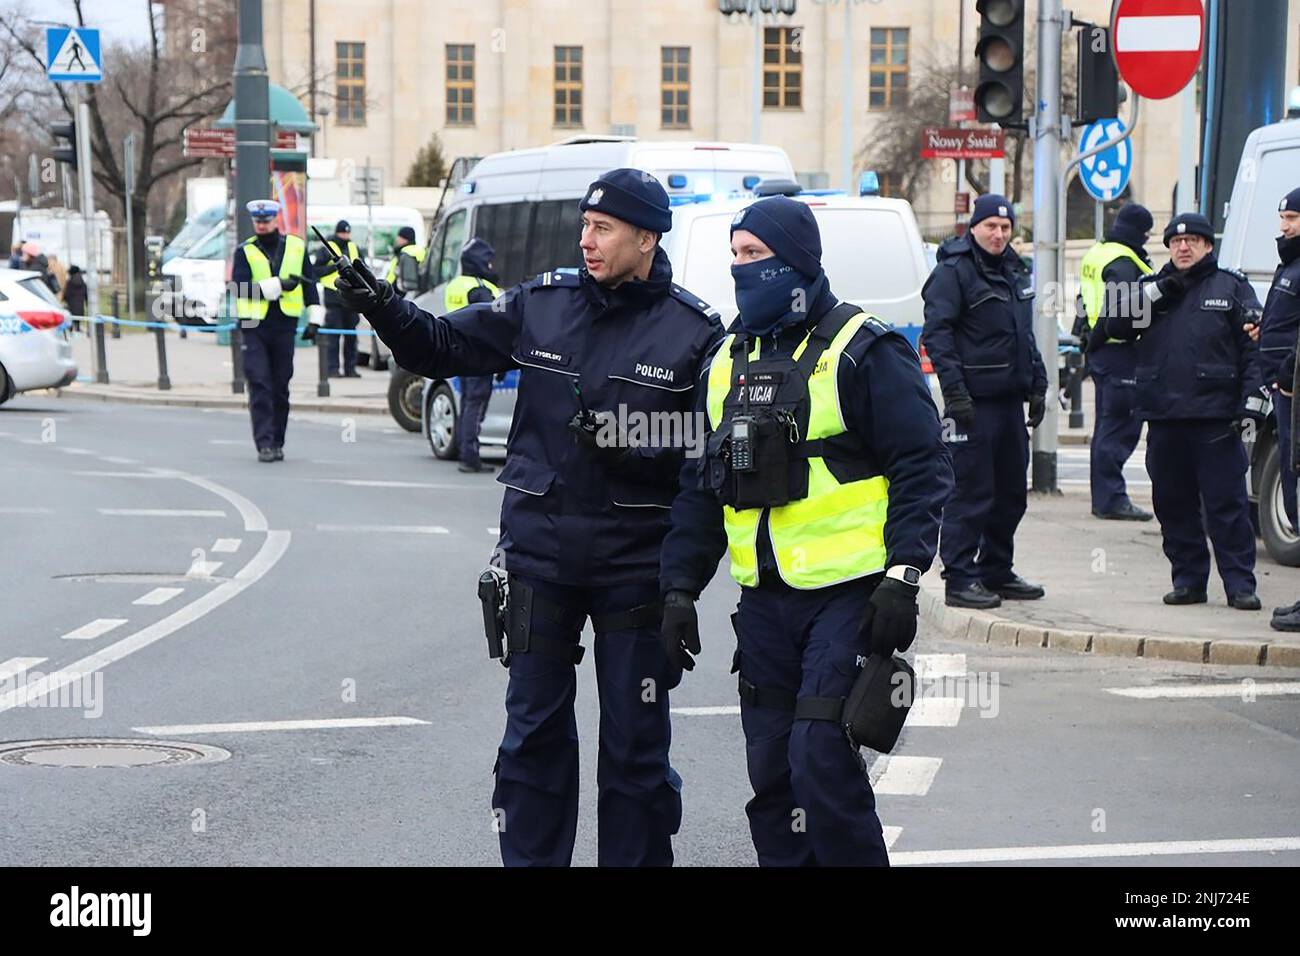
x=272, y=549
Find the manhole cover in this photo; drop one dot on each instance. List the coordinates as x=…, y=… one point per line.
x=136, y=577
x=107, y=752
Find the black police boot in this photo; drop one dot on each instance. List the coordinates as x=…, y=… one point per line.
x=266, y=454
x=1246, y=601
x=976, y=596
x=1017, y=589
x=1286, y=622
x=279, y=452
x=1185, y=596
x=1287, y=611
x=475, y=469
x=1125, y=512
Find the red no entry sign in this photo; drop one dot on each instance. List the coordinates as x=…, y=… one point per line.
x=1158, y=44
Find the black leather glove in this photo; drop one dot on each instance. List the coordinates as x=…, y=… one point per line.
x=1037, y=409
x=680, y=629
x=586, y=429
x=360, y=290
x=959, y=407
x=1171, y=287
x=290, y=283
x=891, y=616
x=309, y=332
x=1286, y=374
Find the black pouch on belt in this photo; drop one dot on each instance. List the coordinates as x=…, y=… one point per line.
x=877, y=704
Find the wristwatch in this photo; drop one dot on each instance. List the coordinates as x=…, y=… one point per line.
x=905, y=573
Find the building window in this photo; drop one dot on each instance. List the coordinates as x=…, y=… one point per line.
x=888, y=83
x=783, y=68
x=568, y=86
x=460, y=84
x=350, y=83
x=675, y=87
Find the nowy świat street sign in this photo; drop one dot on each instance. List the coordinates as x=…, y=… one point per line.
x=72, y=55
x=1158, y=44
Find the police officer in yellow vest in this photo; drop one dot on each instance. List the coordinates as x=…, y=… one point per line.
x=474, y=284
x=823, y=476
x=274, y=282
x=1108, y=275
x=404, y=269
x=337, y=315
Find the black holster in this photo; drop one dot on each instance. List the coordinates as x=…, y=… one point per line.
x=878, y=703
x=492, y=595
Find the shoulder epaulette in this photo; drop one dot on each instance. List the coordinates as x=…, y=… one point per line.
x=694, y=302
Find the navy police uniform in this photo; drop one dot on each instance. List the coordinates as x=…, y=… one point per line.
x=979, y=335
x=1197, y=377
x=1280, y=326
x=580, y=533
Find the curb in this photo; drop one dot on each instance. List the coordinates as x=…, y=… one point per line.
x=297, y=405
x=981, y=627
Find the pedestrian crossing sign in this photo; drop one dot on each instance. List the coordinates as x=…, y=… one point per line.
x=72, y=55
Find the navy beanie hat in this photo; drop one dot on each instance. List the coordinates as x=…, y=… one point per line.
x=788, y=229
x=992, y=204
x=476, y=258
x=1291, y=203
x=1131, y=225
x=1189, y=223
x=632, y=195
x=407, y=233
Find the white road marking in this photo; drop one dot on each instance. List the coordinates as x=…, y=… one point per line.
x=725, y=711
x=1083, y=482
x=203, y=569
x=158, y=596
x=935, y=712
x=494, y=531
x=186, y=730
x=891, y=837
x=115, y=460
x=33, y=441
x=382, y=528
x=380, y=483
x=227, y=441
x=76, y=451
x=1084, y=851
x=16, y=666
x=162, y=512
x=118, y=474
x=96, y=628
x=16, y=510
x=935, y=666
x=1241, y=688
x=225, y=546
x=272, y=549
x=905, y=776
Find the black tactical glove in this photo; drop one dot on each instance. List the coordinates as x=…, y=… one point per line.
x=587, y=432
x=309, y=332
x=360, y=290
x=680, y=630
x=1168, y=289
x=891, y=616
x=1286, y=375
x=290, y=283
x=1037, y=409
x=959, y=407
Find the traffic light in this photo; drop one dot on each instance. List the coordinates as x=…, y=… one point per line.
x=1098, y=77
x=999, y=97
x=65, y=154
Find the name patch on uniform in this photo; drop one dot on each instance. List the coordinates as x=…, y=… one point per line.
x=1216, y=304
x=655, y=371
x=545, y=356
x=1284, y=283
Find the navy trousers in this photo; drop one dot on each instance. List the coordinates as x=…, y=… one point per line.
x=268, y=365
x=1116, y=428
x=639, y=804
x=475, y=393
x=337, y=317
x=1282, y=415
x=989, y=463
x=813, y=804
x=1198, y=485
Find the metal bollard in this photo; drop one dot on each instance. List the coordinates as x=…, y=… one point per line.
x=117, y=314
x=164, y=381
x=322, y=363
x=237, y=359
x=1075, y=363
x=101, y=376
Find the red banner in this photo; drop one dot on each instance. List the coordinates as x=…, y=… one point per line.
x=937, y=143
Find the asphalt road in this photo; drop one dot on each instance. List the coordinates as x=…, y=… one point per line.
x=338, y=585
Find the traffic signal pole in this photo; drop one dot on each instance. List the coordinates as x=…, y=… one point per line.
x=86, y=187
x=1049, y=244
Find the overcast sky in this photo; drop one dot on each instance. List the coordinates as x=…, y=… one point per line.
x=122, y=21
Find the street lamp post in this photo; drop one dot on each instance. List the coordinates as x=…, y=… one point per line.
x=752, y=9
x=846, y=94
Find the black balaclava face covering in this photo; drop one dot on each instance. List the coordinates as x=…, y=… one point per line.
x=1288, y=249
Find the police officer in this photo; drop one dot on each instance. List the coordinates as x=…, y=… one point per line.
x=1108, y=275
x=1197, y=381
x=830, y=525
x=474, y=284
x=337, y=316
x=979, y=334
x=404, y=268
x=1286, y=618
x=1280, y=325
x=584, y=514
x=274, y=281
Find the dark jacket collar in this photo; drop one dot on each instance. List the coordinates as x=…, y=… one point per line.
x=636, y=293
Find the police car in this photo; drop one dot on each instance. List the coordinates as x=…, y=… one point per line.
x=34, y=347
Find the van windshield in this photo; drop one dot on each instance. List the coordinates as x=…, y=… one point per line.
x=866, y=254
x=193, y=231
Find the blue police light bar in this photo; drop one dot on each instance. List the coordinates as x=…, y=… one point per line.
x=823, y=192
x=749, y=182
x=869, y=183
x=677, y=181
x=467, y=186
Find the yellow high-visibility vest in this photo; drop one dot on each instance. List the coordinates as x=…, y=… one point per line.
x=295, y=252
x=329, y=280
x=410, y=249
x=456, y=295
x=837, y=532
x=1092, y=286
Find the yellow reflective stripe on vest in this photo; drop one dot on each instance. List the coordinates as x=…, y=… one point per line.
x=837, y=532
x=1091, y=285
x=410, y=249
x=295, y=251
x=329, y=280
x=458, y=289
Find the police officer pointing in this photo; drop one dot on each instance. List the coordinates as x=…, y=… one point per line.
x=275, y=281
x=583, y=517
x=1278, y=332
x=1108, y=275
x=824, y=476
x=1197, y=381
x=979, y=333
